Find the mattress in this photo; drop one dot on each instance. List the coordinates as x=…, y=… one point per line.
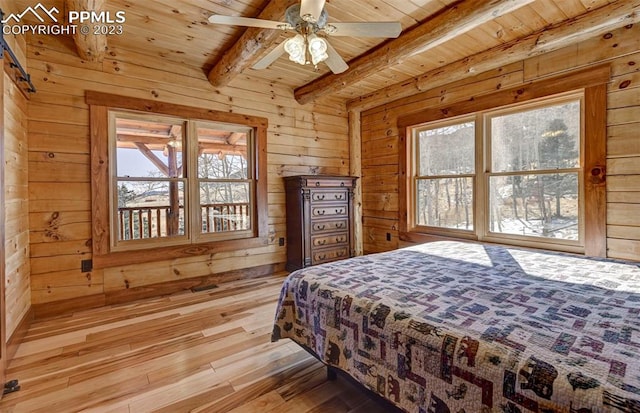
x=471, y=328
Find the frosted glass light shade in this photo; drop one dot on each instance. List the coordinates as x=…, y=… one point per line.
x=295, y=47
x=317, y=49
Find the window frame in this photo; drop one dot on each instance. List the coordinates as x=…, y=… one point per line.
x=144, y=243
x=485, y=234
x=105, y=253
x=412, y=214
x=591, y=82
x=196, y=224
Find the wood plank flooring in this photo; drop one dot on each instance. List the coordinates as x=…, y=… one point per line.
x=206, y=351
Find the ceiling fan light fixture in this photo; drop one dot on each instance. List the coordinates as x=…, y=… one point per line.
x=295, y=47
x=307, y=18
x=317, y=49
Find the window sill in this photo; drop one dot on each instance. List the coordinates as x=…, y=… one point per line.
x=422, y=238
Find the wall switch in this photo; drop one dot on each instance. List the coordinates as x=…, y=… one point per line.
x=388, y=236
x=281, y=241
x=86, y=265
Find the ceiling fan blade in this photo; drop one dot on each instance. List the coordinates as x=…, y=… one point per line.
x=335, y=62
x=312, y=8
x=370, y=29
x=269, y=57
x=247, y=21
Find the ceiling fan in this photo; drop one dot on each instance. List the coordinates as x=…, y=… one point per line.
x=309, y=20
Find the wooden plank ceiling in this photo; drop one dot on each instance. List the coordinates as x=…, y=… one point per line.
x=436, y=33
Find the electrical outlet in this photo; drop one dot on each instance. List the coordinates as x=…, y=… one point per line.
x=86, y=265
x=281, y=242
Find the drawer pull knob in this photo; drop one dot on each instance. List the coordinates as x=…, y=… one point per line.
x=320, y=198
x=322, y=242
x=338, y=196
x=320, y=212
x=338, y=211
x=317, y=183
x=322, y=257
x=320, y=227
x=340, y=254
x=339, y=239
x=341, y=183
x=339, y=225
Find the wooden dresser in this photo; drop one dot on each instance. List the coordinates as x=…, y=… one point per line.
x=319, y=219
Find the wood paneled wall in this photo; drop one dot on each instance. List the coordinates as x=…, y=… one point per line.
x=16, y=245
x=16, y=206
x=301, y=140
x=621, y=48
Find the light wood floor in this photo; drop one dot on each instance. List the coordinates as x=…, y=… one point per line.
x=207, y=351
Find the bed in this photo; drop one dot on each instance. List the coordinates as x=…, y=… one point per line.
x=473, y=328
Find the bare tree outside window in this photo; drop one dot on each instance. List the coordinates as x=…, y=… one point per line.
x=445, y=176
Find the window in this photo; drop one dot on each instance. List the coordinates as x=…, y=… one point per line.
x=156, y=183
x=528, y=173
x=445, y=175
x=178, y=181
x=534, y=171
x=150, y=187
x=529, y=186
x=225, y=178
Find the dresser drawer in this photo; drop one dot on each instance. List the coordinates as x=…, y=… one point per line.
x=318, y=257
x=330, y=239
x=329, y=196
x=320, y=182
x=328, y=211
x=324, y=226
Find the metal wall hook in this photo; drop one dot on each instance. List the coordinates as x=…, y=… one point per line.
x=14, y=62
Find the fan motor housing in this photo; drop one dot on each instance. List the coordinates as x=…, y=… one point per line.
x=293, y=18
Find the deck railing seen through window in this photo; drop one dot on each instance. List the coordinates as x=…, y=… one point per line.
x=154, y=221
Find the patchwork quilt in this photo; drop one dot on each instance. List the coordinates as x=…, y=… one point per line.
x=470, y=328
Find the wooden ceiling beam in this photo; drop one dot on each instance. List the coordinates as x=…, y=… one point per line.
x=158, y=144
x=153, y=158
x=176, y=132
x=447, y=24
x=220, y=147
x=91, y=47
x=249, y=46
x=591, y=24
x=145, y=139
x=234, y=137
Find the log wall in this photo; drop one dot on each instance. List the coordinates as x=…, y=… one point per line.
x=301, y=140
x=621, y=48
